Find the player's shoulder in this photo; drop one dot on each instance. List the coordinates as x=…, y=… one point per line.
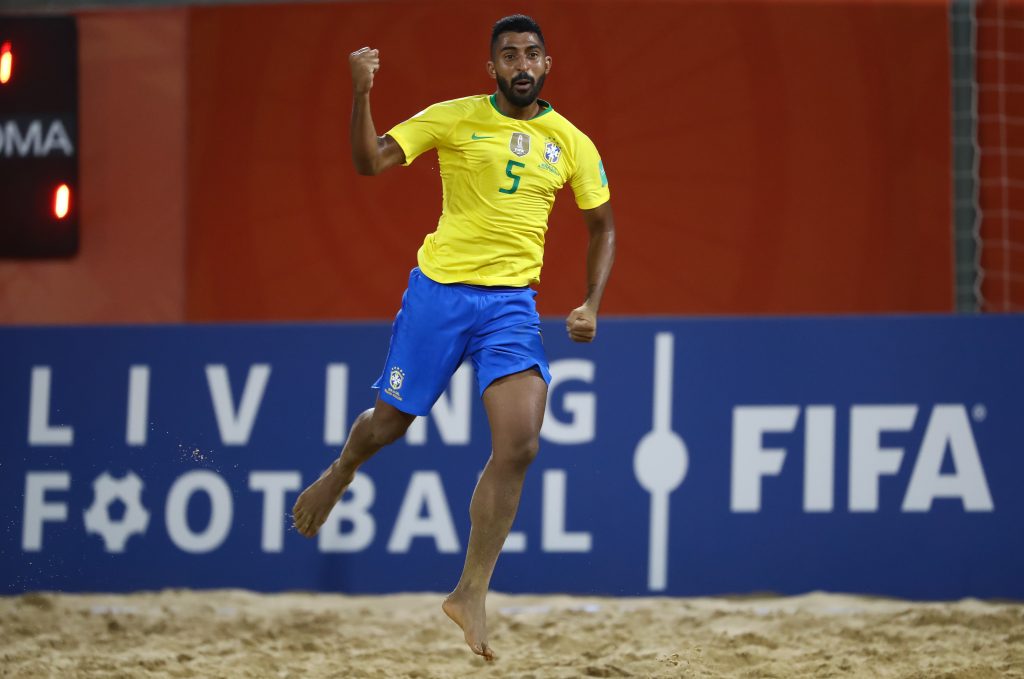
x=567, y=129
x=460, y=106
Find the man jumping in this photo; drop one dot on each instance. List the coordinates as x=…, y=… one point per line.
x=502, y=159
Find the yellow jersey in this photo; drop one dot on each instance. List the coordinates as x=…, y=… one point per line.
x=499, y=177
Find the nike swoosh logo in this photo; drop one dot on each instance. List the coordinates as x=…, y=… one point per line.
x=475, y=137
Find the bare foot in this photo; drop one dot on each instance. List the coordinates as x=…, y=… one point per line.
x=317, y=501
x=468, y=613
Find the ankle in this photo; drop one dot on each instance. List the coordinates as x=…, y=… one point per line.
x=342, y=470
x=468, y=592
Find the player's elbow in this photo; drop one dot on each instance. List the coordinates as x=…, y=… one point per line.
x=367, y=168
x=366, y=163
x=603, y=230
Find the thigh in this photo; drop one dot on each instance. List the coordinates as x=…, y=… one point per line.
x=428, y=342
x=515, y=408
x=389, y=421
x=508, y=341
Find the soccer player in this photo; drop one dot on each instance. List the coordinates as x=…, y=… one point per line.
x=502, y=158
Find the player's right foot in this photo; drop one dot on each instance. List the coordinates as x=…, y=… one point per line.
x=468, y=613
x=316, y=502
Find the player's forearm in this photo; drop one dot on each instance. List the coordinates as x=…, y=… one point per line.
x=600, y=257
x=363, y=136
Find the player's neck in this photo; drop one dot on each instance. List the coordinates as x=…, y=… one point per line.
x=509, y=109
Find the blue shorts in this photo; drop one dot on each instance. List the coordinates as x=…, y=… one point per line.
x=439, y=326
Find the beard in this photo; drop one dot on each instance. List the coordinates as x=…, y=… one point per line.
x=521, y=100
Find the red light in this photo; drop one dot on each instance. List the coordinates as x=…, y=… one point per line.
x=6, y=63
x=62, y=201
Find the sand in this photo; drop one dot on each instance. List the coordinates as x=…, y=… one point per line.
x=232, y=633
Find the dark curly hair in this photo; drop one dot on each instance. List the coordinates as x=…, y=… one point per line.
x=517, y=23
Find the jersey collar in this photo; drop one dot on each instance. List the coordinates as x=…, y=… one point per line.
x=545, y=108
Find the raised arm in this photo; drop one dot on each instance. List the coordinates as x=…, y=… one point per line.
x=582, y=321
x=370, y=154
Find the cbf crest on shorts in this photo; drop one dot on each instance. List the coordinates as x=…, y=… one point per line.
x=519, y=144
x=397, y=377
x=395, y=380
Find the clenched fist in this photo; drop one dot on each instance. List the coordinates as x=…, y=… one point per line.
x=582, y=324
x=364, y=63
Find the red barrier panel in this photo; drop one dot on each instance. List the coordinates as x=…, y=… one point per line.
x=763, y=157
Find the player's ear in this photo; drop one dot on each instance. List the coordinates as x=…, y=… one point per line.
x=547, y=65
x=490, y=70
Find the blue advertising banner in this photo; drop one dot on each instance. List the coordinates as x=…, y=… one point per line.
x=686, y=457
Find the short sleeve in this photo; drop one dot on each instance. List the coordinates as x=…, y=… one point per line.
x=589, y=182
x=423, y=131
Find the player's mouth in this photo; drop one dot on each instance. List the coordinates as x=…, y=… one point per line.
x=523, y=86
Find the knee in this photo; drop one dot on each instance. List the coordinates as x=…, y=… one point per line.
x=386, y=428
x=520, y=454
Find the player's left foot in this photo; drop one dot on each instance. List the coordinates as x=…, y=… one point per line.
x=468, y=613
x=316, y=502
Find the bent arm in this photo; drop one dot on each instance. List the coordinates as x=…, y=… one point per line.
x=582, y=321
x=600, y=252
x=371, y=154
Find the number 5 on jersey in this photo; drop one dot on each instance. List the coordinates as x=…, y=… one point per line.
x=512, y=164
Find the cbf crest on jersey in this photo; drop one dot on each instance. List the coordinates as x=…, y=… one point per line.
x=519, y=144
x=552, y=152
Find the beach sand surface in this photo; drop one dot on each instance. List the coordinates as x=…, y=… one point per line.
x=235, y=633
